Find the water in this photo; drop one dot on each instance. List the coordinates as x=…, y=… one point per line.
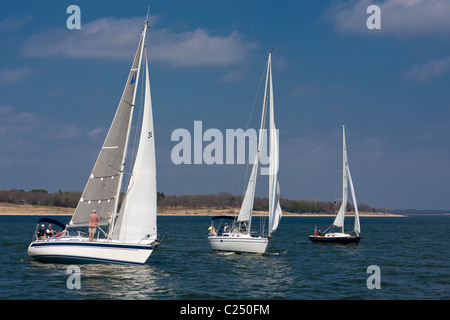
x=412, y=253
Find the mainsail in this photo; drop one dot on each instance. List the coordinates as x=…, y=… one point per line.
x=103, y=186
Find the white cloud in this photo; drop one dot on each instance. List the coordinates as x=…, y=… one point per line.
x=19, y=121
x=12, y=76
x=117, y=39
x=103, y=38
x=199, y=47
x=13, y=23
x=431, y=68
x=399, y=17
x=232, y=76
x=21, y=130
x=96, y=133
x=16, y=129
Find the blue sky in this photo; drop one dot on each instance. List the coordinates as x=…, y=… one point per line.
x=59, y=89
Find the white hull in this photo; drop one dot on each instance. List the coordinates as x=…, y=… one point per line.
x=239, y=243
x=81, y=250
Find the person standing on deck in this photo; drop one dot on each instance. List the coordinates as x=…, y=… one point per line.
x=93, y=224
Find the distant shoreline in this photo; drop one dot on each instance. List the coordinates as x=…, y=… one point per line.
x=8, y=209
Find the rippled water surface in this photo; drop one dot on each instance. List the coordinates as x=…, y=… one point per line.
x=412, y=253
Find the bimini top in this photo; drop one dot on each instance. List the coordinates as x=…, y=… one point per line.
x=223, y=217
x=50, y=220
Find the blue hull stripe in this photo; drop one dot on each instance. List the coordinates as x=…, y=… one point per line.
x=81, y=260
x=91, y=244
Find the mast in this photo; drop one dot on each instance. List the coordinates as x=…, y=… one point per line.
x=344, y=177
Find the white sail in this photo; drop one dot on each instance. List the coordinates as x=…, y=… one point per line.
x=357, y=227
x=245, y=214
x=102, y=188
x=275, y=212
x=137, y=217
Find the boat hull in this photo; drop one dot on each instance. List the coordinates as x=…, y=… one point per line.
x=240, y=244
x=83, y=251
x=335, y=239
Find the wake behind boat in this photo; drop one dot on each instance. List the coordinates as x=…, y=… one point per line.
x=132, y=236
x=341, y=237
x=234, y=234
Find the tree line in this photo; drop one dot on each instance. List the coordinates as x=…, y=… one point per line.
x=41, y=197
x=221, y=200
x=225, y=200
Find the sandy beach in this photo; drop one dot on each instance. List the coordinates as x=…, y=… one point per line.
x=30, y=210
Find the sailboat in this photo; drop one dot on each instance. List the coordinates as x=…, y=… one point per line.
x=132, y=236
x=233, y=234
x=341, y=237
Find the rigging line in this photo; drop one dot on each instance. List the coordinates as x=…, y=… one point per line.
x=131, y=105
x=118, y=170
x=339, y=188
x=97, y=200
x=256, y=96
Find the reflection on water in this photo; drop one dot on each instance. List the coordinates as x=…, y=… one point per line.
x=105, y=281
x=121, y=282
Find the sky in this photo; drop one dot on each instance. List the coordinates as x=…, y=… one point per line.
x=60, y=87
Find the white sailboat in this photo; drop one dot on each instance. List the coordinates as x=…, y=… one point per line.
x=132, y=236
x=234, y=234
x=341, y=237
